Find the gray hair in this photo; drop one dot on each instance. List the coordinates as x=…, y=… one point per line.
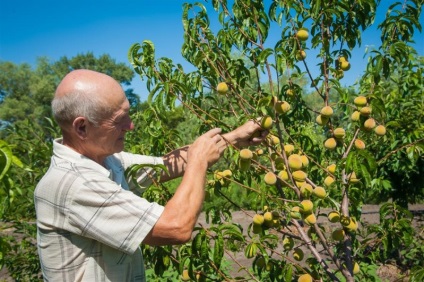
x=79, y=104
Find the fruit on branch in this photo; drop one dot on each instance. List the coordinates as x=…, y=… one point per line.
x=369, y=124
x=185, y=276
x=351, y=177
x=295, y=212
x=299, y=175
x=274, y=140
x=283, y=175
x=339, y=133
x=344, y=220
x=289, y=92
x=359, y=144
x=330, y=143
x=320, y=192
x=321, y=120
x=288, y=148
x=356, y=268
x=266, y=122
x=355, y=116
x=328, y=181
x=246, y=154
x=222, y=88
x=380, y=130
x=302, y=34
x=332, y=168
x=306, y=190
x=333, y=216
x=306, y=206
x=353, y=225
x=360, y=101
x=282, y=107
x=305, y=278
x=270, y=178
x=338, y=234
x=258, y=219
x=365, y=111
x=326, y=111
x=305, y=161
x=310, y=219
x=295, y=162
x=300, y=55
x=344, y=65
x=298, y=254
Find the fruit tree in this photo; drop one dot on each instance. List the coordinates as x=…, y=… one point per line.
x=306, y=184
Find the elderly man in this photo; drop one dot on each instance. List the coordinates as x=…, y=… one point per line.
x=90, y=225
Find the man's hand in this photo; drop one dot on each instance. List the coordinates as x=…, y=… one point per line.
x=249, y=134
x=208, y=147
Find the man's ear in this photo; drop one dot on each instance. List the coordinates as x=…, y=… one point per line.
x=80, y=127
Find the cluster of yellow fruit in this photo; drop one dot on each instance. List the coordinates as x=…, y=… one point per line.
x=302, y=35
x=363, y=114
x=348, y=224
x=267, y=219
x=223, y=177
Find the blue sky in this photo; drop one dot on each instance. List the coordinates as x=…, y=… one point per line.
x=31, y=29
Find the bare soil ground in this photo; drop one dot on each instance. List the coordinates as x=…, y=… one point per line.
x=370, y=215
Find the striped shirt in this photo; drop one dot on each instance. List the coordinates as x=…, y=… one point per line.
x=89, y=224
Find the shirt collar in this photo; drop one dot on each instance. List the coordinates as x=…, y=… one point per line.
x=63, y=152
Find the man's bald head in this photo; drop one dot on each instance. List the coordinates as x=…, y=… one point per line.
x=86, y=93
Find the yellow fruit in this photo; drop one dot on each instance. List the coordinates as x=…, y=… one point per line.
x=327, y=111
x=298, y=254
x=288, y=243
x=320, y=192
x=258, y=219
x=345, y=65
x=300, y=55
x=185, y=276
x=360, y=101
x=222, y=88
x=302, y=34
x=295, y=162
x=288, y=148
x=305, y=161
x=321, y=120
x=259, y=152
x=270, y=178
x=365, y=111
x=352, y=178
x=227, y=173
x=289, y=92
x=310, y=219
x=246, y=154
x=305, y=278
x=355, y=116
x=380, y=130
x=338, y=235
x=306, y=190
x=299, y=175
x=330, y=143
x=339, y=133
x=283, y=175
x=353, y=225
x=282, y=107
x=295, y=212
x=244, y=165
x=299, y=183
x=218, y=175
x=332, y=168
x=356, y=268
x=359, y=144
x=342, y=59
x=274, y=140
x=333, y=216
x=266, y=122
x=328, y=181
x=369, y=124
x=306, y=206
